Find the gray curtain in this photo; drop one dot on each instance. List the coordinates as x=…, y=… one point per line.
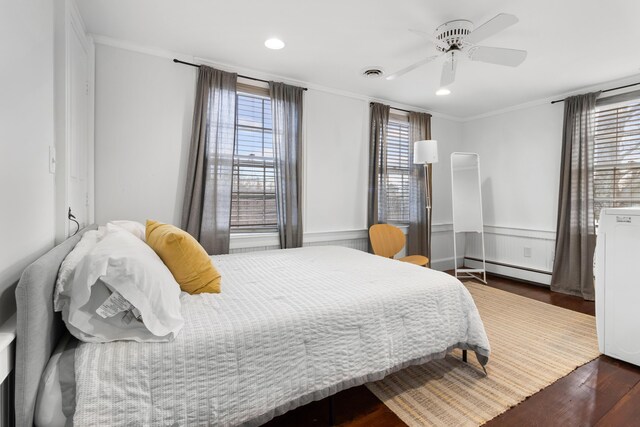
x=206, y=212
x=376, y=207
x=575, y=234
x=417, y=243
x=286, y=107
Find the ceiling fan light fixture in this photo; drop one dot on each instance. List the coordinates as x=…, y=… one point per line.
x=274, y=44
x=443, y=91
x=460, y=36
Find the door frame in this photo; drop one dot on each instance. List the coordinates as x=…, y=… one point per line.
x=68, y=24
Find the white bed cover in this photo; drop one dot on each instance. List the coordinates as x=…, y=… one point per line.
x=289, y=327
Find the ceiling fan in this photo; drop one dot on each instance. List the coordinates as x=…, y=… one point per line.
x=458, y=38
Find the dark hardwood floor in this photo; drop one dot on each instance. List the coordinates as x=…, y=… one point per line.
x=604, y=392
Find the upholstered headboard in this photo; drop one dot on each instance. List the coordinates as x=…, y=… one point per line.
x=38, y=327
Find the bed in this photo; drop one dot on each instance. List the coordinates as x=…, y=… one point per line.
x=290, y=326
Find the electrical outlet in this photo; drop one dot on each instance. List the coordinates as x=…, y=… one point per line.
x=527, y=252
x=52, y=159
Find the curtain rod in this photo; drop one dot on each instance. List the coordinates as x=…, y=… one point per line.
x=394, y=108
x=606, y=90
x=177, y=61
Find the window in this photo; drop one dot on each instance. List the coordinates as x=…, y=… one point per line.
x=398, y=172
x=253, y=198
x=617, y=156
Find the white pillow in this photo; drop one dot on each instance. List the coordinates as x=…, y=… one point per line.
x=65, y=274
x=122, y=290
x=133, y=227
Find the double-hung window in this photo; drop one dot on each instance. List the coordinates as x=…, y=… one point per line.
x=617, y=156
x=398, y=171
x=253, y=197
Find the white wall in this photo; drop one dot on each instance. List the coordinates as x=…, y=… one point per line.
x=449, y=136
x=336, y=162
x=26, y=133
x=520, y=160
x=144, y=106
x=520, y=164
x=143, y=110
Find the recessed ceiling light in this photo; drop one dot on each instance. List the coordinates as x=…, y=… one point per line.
x=274, y=44
x=442, y=92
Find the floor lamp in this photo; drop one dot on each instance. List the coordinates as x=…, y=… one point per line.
x=425, y=152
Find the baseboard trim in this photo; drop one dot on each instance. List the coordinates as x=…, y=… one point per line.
x=516, y=272
x=444, y=264
x=502, y=264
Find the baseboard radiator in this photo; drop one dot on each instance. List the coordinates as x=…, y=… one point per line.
x=524, y=254
x=518, y=272
x=6, y=402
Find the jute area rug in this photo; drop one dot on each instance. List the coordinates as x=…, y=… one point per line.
x=533, y=344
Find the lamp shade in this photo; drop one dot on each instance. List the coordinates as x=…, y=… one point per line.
x=425, y=151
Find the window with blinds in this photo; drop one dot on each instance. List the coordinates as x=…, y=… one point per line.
x=397, y=184
x=253, y=199
x=617, y=156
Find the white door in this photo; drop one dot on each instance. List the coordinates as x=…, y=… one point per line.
x=78, y=143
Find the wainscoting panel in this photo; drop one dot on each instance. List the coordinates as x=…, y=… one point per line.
x=514, y=252
x=442, y=246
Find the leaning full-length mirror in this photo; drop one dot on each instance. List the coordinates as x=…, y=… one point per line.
x=466, y=195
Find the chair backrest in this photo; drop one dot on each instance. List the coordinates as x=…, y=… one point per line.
x=386, y=240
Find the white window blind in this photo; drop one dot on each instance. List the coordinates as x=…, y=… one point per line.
x=617, y=156
x=253, y=199
x=397, y=157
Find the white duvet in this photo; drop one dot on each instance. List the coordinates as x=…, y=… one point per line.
x=289, y=327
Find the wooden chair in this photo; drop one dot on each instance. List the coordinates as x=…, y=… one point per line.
x=387, y=241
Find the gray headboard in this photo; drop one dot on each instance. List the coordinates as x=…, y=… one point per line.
x=38, y=327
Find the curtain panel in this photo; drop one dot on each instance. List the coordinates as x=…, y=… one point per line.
x=575, y=233
x=377, y=201
x=286, y=107
x=206, y=212
x=417, y=237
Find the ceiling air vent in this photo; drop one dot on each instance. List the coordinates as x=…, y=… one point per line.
x=373, y=72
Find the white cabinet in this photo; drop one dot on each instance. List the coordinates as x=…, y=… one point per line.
x=617, y=284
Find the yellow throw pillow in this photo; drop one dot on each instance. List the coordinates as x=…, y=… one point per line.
x=184, y=257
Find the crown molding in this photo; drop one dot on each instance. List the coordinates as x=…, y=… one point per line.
x=547, y=100
x=164, y=53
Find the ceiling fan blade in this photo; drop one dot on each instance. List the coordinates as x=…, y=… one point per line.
x=491, y=27
x=411, y=68
x=498, y=55
x=448, y=75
